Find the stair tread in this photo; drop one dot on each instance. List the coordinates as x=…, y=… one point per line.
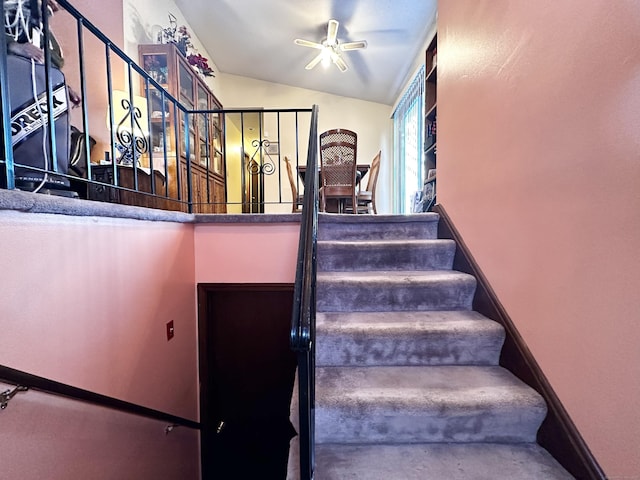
x=376, y=227
x=397, y=290
x=432, y=385
x=409, y=276
x=459, y=337
x=414, y=321
x=394, y=243
x=417, y=404
x=328, y=218
x=372, y=255
x=486, y=461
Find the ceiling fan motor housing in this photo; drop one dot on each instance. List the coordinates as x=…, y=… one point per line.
x=331, y=48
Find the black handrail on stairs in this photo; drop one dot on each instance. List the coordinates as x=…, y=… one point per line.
x=27, y=381
x=303, y=318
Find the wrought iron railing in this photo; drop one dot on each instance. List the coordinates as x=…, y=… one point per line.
x=256, y=144
x=152, y=157
x=303, y=319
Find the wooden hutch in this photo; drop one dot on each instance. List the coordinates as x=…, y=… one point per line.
x=169, y=67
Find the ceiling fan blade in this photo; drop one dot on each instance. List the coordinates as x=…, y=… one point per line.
x=332, y=32
x=340, y=63
x=307, y=43
x=315, y=61
x=353, y=45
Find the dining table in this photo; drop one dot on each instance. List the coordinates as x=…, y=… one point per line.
x=332, y=204
x=362, y=168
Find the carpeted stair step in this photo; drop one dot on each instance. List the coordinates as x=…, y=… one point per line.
x=487, y=461
x=468, y=404
x=377, y=227
x=394, y=291
x=407, y=381
x=407, y=338
x=340, y=255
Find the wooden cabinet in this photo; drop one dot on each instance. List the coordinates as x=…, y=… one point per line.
x=126, y=179
x=430, y=106
x=207, y=189
x=200, y=142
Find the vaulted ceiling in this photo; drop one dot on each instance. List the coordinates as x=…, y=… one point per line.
x=255, y=38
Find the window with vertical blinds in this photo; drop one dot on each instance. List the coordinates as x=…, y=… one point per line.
x=407, y=127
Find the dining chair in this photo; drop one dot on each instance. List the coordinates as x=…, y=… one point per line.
x=296, y=199
x=338, y=170
x=367, y=198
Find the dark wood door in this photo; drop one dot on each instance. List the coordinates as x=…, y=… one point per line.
x=252, y=187
x=246, y=372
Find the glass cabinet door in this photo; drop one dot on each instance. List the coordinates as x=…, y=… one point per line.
x=218, y=163
x=160, y=120
x=156, y=66
x=192, y=137
x=186, y=85
x=187, y=94
x=203, y=98
x=204, y=145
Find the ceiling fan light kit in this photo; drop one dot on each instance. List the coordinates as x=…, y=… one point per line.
x=331, y=48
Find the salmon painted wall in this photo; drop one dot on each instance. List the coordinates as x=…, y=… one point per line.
x=106, y=15
x=539, y=168
x=85, y=301
x=246, y=253
x=55, y=438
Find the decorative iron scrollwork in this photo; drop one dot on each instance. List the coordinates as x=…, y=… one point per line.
x=131, y=144
x=265, y=165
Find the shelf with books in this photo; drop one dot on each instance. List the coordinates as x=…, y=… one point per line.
x=430, y=105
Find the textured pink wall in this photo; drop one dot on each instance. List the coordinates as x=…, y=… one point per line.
x=85, y=301
x=54, y=438
x=246, y=253
x=539, y=168
x=107, y=16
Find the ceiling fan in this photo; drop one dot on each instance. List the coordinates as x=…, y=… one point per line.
x=331, y=48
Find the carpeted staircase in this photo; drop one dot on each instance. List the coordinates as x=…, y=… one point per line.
x=407, y=382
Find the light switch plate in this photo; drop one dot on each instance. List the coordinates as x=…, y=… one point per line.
x=170, y=330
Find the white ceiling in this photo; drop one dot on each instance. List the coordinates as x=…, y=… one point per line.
x=254, y=38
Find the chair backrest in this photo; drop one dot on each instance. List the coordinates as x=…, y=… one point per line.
x=292, y=183
x=338, y=153
x=373, y=173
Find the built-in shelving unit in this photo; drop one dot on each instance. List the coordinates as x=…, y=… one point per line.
x=428, y=194
x=430, y=106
